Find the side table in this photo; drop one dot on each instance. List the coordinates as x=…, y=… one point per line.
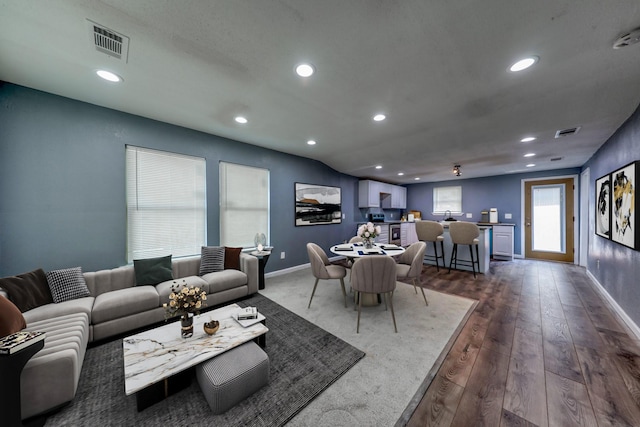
x=10, y=370
x=263, y=257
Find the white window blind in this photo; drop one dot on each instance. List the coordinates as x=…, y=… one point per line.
x=166, y=203
x=244, y=204
x=447, y=199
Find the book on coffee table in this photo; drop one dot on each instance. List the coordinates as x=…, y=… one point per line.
x=247, y=322
x=16, y=342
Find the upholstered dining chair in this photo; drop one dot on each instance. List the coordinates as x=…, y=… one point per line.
x=354, y=239
x=409, y=265
x=322, y=268
x=374, y=274
x=464, y=233
x=432, y=231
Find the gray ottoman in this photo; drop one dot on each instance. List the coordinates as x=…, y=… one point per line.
x=233, y=376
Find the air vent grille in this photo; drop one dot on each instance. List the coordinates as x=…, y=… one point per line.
x=555, y=159
x=566, y=132
x=108, y=41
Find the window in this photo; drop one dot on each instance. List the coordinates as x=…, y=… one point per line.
x=244, y=204
x=166, y=203
x=447, y=199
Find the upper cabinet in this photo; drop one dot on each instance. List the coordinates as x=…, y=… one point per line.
x=374, y=194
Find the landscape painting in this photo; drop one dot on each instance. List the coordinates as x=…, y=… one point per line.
x=317, y=204
x=603, y=206
x=623, y=204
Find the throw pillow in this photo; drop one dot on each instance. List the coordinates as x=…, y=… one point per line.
x=232, y=258
x=211, y=259
x=11, y=319
x=67, y=284
x=28, y=290
x=152, y=271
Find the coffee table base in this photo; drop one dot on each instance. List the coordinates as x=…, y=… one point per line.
x=159, y=391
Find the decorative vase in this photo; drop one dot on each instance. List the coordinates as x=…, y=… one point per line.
x=186, y=325
x=368, y=243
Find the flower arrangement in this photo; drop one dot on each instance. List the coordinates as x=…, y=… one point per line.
x=184, y=299
x=368, y=231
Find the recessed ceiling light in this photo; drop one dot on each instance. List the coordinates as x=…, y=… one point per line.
x=530, y=154
x=400, y=173
x=530, y=165
x=416, y=179
x=523, y=64
x=379, y=167
x=109, y=76
x=528, y=139
x=379, y=117
x=241, y=120
x=311, y=142
x=305, y=70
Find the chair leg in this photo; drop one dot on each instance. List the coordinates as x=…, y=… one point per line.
x=344, y=292
x=454, y=254
x=393, y=316
x=385, y=303
x=359, y=309
x=478, y=258
x=313, y=292
x=444, y=262
x=473, y=263
x=422, y=290
x=435, y=251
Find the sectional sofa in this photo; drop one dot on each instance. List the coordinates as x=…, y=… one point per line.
x=113, y=302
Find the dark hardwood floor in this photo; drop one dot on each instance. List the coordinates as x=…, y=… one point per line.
x=542, y=348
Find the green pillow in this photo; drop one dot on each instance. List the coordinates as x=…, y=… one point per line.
x=152, y=271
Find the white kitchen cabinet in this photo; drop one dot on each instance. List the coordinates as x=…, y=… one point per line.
x=369, y=194
x=503, y=241
x=408, y=233
x=398, y=197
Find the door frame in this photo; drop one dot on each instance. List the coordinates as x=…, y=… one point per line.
x=576, y=203
x=585, y=177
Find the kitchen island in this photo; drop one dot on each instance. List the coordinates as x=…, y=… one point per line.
x=463, y=250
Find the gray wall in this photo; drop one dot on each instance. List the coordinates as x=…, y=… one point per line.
x=618, y=268
x=62, y=183
x=502, y=192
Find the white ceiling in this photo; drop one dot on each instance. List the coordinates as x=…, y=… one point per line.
x=438, y=70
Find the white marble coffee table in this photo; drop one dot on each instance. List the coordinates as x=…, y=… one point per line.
x=155, y=355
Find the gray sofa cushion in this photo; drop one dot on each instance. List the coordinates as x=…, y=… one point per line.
x=52, y=311
x=51, y=377
x=164, y=288
x=124, y=302
x=223, y=280
x=103, y=281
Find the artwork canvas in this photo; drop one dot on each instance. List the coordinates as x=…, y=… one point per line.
x=623, y=205
x=317, y=204
x=603, y=206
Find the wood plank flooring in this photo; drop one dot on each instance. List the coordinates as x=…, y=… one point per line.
x=542, y=348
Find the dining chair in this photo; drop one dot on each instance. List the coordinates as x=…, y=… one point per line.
x=409, y=265
x=464, y=233
x=354, y=239
x=432, y=231
x=374, y=274
x=322, y=268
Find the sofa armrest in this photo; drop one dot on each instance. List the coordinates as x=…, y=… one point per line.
x=249, y=266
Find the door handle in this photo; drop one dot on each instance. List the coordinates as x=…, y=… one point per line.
x=528, y=224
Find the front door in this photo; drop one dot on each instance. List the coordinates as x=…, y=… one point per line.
x=548, y=227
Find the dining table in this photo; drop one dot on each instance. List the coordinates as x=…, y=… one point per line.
x=353, y=251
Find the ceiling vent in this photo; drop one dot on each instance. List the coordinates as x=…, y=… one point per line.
x=627, y=39
x=567, y=132
x=555, y=159
x=108, y=41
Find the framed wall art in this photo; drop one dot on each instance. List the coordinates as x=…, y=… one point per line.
x=623, y=205
x=317, y=204
x=603, y=206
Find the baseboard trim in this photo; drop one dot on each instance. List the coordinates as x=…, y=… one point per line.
x=287, y=270
x=619, y=311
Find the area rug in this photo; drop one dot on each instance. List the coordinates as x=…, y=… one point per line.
x=384, y=388
x=304, y=361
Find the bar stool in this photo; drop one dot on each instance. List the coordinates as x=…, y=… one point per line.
x=464, y=233
x=432, y=231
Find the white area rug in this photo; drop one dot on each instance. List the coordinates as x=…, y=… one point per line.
x=378, y=389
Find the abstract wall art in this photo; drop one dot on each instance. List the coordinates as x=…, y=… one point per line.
x=317, y=204
x=603, y=206
x=623, y=206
